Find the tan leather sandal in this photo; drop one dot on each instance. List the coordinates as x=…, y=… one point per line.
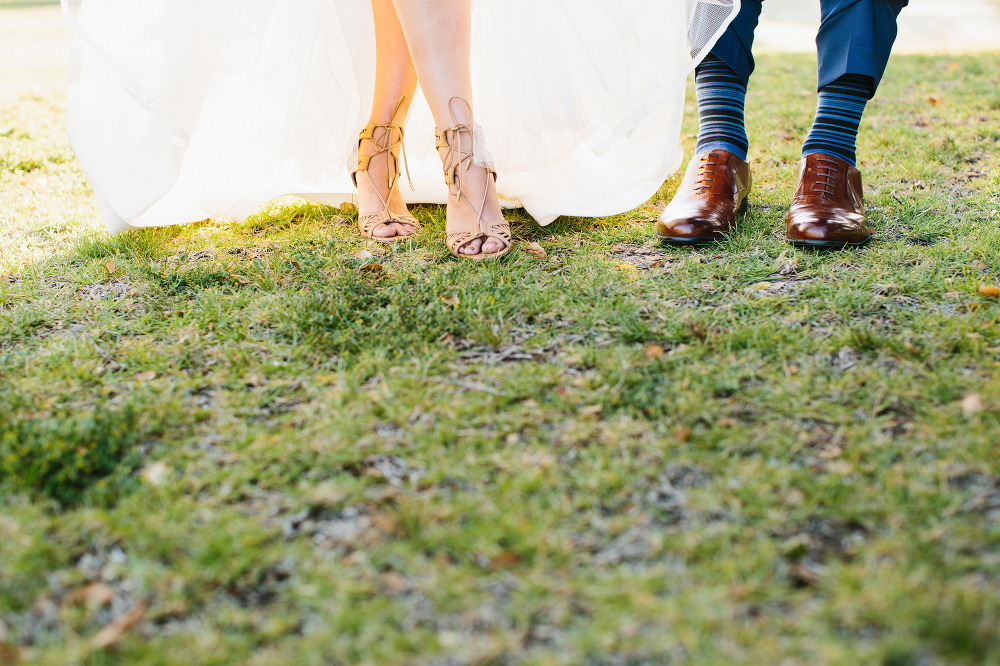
x=385, y=143
x=464, y=146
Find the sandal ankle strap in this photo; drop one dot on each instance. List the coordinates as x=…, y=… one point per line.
x=385, y=143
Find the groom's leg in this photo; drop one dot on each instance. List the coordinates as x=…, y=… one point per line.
x=717, y=182
x=854, y=43
x=856, y=37
x=721, y=84
x=735, y=47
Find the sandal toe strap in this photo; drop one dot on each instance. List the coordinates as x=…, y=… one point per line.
x=497, y=231
x=500, y=231
x=369, y=222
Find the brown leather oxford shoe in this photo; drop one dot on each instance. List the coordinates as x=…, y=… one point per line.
x=704, y=209
x=828, y=210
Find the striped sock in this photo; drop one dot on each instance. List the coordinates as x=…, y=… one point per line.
x=721, y=103
x=838, y=115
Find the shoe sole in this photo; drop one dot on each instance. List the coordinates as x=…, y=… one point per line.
x=827, y=245
x=703, y=240
x=673, y=240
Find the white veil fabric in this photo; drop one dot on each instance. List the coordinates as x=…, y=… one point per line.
x=183, y=110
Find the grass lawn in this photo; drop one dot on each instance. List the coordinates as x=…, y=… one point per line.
x=247, y=443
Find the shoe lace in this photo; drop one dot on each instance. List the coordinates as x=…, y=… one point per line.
x=458, y=155
x=385, y=143
x=827, y=174
x=706, y=173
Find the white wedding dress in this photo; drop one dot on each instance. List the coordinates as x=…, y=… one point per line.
x=182, y=110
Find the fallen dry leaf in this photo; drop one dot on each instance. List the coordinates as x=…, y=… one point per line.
x=537, y=459
x=682, y=433
x=655, y=351
x=363, y=255
x=396, y=582
x=697, y=330
x=803, y=575
x=505, y=560
x=536, y=250
x=111, y=633
x=934, y=100
x=830, y=453
x=111, y=266
x=794, y=497
x=242, y=279
x=156, y=474
x=841, y=467
x=989, y=290
x=628, y=268
x=296, y=265
x=9, y=654
x=591, y=410
x=386, y=523
x=454, y=301
x=727, y=422
x=972, y=404
x=94, y=596
x=146, y=376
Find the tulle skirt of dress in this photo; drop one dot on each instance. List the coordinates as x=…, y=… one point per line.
x=182, y=110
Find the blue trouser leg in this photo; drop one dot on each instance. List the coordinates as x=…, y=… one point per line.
x=736, y=44
x=855, y=37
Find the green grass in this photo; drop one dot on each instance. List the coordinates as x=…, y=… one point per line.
x=282, y=454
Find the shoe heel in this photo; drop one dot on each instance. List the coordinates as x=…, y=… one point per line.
x=744, y=207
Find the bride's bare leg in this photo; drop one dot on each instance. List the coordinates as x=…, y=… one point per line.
x=439, y=36
x=395, y=78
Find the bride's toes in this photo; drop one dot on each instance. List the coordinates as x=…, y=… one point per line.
x=383, y=231
x=473, y=247
x=402, y=230
x=492, y=246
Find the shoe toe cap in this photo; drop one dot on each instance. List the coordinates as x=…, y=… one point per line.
x=690, y=226
x=826, y=226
